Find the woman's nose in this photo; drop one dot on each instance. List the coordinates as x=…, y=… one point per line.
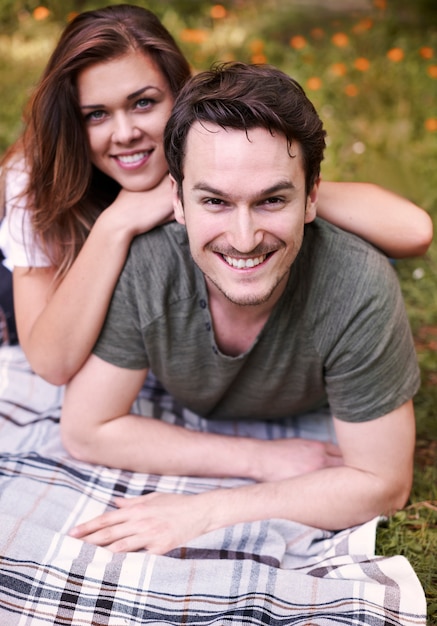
x=125, y=131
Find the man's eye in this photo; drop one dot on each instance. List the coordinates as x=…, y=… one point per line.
x=273, y=200
x=214, y=201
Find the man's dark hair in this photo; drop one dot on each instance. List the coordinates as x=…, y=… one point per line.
x=243, y=97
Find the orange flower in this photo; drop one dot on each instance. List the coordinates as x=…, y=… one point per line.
x=317, y=33
x=71, y=16
x=426, y=52
x=362, y=64
x=363, y=25
x=351, y=90
x=395, y=54
x=380, y=4
x=314, y=83
x=194, y=35
x=259, y=58
x=41, y=13
x=338, y=69
x=218, y=11
x=257, y=46
x=432, y=71
x=298, y=42
x=341, y=40
x=431, y=124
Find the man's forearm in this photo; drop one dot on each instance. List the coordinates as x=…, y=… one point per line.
x=372, y=477
x=146, y=445
x=331, y=498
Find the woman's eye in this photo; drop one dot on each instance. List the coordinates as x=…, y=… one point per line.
x=95, y=116
x=144, y=103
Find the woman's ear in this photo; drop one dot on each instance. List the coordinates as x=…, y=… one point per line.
x=311, y=203
x=177, y=202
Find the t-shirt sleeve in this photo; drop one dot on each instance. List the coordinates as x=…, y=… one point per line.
x=121, y=341
x=371, y=367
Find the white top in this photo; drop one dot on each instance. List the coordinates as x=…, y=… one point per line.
x=17, y=239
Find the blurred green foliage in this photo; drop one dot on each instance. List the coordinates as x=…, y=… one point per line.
x=371, y=70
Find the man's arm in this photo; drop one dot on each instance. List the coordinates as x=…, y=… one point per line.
x=373, y=478
x=96, y=427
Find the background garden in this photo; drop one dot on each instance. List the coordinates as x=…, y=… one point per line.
x=370, y=67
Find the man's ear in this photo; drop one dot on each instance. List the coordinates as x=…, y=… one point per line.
x=177, y=202
x=311, y=204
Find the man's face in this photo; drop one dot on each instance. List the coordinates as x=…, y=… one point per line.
x=244, y=206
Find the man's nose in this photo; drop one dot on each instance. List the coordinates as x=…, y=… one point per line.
x=244, y=233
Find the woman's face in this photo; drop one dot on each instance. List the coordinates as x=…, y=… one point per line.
x=126, y=103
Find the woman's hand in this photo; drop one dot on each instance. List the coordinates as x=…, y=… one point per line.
x=136, y=212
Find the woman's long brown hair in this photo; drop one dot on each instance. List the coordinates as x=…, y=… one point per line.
x=66, y=193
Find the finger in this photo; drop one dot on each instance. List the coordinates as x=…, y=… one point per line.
x=110, y=535
x=96, y=524
x=131, y=543
x=332, y=449
x=334, y=461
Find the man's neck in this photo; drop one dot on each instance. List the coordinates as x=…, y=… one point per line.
x=236, y=327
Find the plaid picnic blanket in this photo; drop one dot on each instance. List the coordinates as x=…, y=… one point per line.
x=271, y=572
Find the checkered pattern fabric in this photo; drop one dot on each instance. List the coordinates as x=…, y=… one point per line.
x=271, y=572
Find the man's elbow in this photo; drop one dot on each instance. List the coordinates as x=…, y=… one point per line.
x=77, y=441
x=396, y=494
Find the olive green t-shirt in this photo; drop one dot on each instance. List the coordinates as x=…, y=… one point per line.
x=339, y=333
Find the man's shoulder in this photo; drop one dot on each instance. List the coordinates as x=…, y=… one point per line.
x=343, y=273
x=338, y=241
x=337, y=253
x=162, y=237
x=159, y=263
x=165, y=246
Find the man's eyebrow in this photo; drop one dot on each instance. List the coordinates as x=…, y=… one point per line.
x=284, y=185
x=131, y=96
x=277, y=187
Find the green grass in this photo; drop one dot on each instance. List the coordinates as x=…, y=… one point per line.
x=379, y=114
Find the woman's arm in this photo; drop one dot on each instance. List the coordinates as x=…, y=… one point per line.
x=59, y=325
x=395, y=225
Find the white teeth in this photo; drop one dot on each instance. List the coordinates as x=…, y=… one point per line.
x=243, y=263
x=132, y=158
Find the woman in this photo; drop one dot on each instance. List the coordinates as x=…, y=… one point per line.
x=89, y=174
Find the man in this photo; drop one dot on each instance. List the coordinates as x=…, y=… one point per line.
x=247, y=308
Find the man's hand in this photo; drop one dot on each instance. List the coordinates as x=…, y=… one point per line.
x=372, y=475
x=155, y=522
x=286, y=458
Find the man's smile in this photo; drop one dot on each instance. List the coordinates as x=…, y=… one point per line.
x=243, y=263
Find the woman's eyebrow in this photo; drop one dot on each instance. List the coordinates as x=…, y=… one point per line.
x=142, y=90
x=131, y=96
